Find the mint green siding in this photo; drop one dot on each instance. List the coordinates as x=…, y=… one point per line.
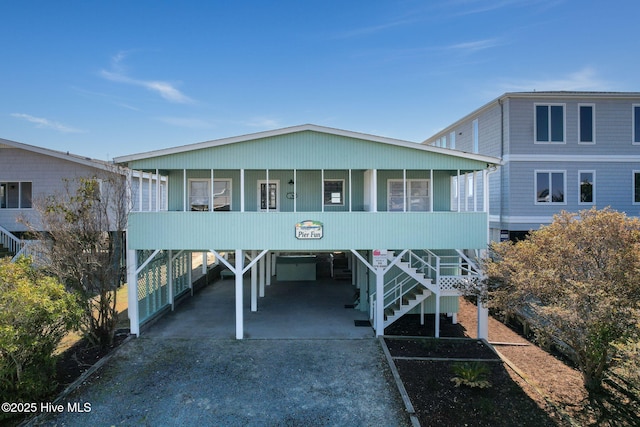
x=307, y=150
x=275, y=230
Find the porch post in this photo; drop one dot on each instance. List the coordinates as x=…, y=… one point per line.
x=261, y=278
x=241, y=190
x=239, y=302
x=483, y=320
x=254, y=282
x=379, y=301
x=268, y=274
x=170, y=280
x=184, y=190
x=437, y=315
x=132, y=291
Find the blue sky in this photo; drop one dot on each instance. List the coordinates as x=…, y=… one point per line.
x=110, y=78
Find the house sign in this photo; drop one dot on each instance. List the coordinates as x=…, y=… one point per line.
x=309, y=230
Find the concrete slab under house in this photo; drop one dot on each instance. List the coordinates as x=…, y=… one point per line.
x=404, y=221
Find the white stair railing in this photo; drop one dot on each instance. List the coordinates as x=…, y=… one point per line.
x=9, y=241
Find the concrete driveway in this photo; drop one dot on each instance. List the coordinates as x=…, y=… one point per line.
x=187, y=371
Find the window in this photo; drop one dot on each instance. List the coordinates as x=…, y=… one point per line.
x=15, y=195
x=416, y=192
x=587, y=124
x=221, y=194
x=333, y=192
x=636, y=124
x=550, y=187
x=476, y=138
x=636, y=187
x=587, y=187
x=549, y=121
x=200, y=194
x=268, y=194
x=452, y=140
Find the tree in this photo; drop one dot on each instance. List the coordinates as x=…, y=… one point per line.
x=81, y=235
x=576, y=282
x=36, y=312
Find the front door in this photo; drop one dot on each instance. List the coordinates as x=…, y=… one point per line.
x=268, y=195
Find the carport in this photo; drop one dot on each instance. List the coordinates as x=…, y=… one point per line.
x=319, y=309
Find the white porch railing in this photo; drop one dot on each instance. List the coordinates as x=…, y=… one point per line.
x=9, y=241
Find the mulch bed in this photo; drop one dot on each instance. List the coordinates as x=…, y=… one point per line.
x=425, y=367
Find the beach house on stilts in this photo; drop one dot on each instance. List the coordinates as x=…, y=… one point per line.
x=410, y=219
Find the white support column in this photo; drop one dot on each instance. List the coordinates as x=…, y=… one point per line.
x=184, y=190
x=350, y=193
x=295, y=190
x=261, y=274
x=241, y=190
x=379, y=301
x=211, y=194
x=157, y=190
x=322, y=189
x=459, y=182
x=239, y=302
x=267, y=191
x=132, y=291
x=404, y=190
x=140, y=191
x=483, y=320
x=170, y=281
x=204, y=263
x=374, y=190
x=475, y=192
x=422, y=312
x=437, y=315
x=254, y=283
x=190, y=271
x=431, y=190
x=268, y=262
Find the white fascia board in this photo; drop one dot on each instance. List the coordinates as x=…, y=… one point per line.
x=613, y=158
x=301, y=128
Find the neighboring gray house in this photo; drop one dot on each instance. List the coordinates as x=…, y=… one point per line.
x=560, y=151
x=28, y=172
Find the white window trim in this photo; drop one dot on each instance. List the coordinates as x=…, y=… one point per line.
x=210, y=192
x=633, y=124
x=593, y=125
x=593, y=173
x=407, y=195
x=270, y=181
x=7, y=181
x=535, y=187
x=342, y=193
x=633, y=187
x=230, y=186
x=535, y=122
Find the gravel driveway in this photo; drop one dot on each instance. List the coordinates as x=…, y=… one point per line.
x=152, y=381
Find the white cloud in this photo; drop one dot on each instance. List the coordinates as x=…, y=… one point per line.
x=262, y=122
x=186, y=122
x=476, y=45
x=585, y=79
x=164, y=89
x=46, y=123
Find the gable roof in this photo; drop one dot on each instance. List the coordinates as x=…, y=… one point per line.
x=303, y=128
x=74, y=158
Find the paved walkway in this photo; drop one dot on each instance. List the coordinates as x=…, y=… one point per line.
x=186, y=370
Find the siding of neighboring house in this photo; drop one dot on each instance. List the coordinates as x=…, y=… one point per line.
x=46, y=173
x=612, y=156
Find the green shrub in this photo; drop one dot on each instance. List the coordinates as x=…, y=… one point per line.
x=471, y=374
x=35, y=313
